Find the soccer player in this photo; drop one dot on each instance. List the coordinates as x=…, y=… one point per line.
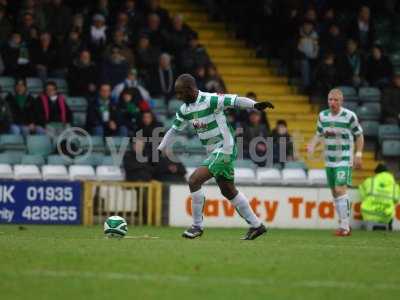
x=339, y=127
x=205, y=111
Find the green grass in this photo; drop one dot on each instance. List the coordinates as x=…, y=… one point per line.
x=60, y=262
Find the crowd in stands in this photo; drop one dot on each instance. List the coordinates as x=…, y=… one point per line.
x=324, y=43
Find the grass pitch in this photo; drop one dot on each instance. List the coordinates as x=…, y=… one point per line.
x=61, y=262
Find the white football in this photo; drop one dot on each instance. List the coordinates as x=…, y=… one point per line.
x=115, y=227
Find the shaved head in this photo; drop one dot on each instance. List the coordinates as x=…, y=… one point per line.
x=335, y=100
x=186, y=88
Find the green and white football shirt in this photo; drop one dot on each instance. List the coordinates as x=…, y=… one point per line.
x=338, y=132
x=207, y=117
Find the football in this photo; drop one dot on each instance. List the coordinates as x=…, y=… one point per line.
x=115, y=227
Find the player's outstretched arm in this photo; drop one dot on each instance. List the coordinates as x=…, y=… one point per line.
x=167, y=139
x=315, y=141
x=245, y=103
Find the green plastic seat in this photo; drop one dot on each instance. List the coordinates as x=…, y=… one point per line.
x=395, y=58
x=77, y=104
x=391, y=148
x=62, y=85
x=194, y=146
x=352, y=105
x=32, y=159
x=11, y=157
x=349, y=93
x=55, y=159
x=34, y=84
x=369, y=94
x=91, y=159
x=7, y=84
x=173, y=106
x=245, y=163
x=370, y=128
x=39, y=144
x=109, y=161
x=371, y=111
x=97, y=143
x=79, y=119
x=388, y=131
x=295, y=165
x=12, y=142
x=158, y=103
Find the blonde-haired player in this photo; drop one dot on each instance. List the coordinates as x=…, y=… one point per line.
x=340, y=130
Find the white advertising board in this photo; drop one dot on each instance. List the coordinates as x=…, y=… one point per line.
x=279, y=207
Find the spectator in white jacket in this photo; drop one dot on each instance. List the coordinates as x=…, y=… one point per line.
x=130, y=82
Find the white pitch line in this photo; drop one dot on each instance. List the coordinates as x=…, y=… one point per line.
x=201, y=281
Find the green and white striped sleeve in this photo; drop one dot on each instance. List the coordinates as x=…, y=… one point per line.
x=223, y=101
x=179, y=123
x=319, y=127
x=355, y=125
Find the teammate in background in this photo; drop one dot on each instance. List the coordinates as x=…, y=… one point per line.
x=339, y=127
x=205, y=111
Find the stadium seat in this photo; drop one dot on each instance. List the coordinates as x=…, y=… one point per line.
x=39, y=144
x=6, y=171
x=109, y=173
x=269, y=175
x=370, y=128
x=79, y=119
x=194, y=146
x=55, y=159
x=317, y=176
x=55, y=172
x=32, y=159
x=349, y=93
x=245, y=163
x=97, y=143
x=108, y=161
x=62, y=85
x=294, y=176
x=191, y=160
x=369, y=94
x=27, y=172
x=11, y=157
x=388, y=131
x=391, y=148
x=94, y=159
x=115, y=142
x=173, y=106
x=81, y=172
x=35, y=85
x=245, y=175
x=369, y=112
x=77, y=104
x=12, y=142
x=352, y=105
x=7, y=84
x=295, y=165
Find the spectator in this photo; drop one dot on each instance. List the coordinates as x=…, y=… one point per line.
x=379, y=68
x=26, y=26
x=179, y=36
x=154, y=32
x=22, y=106
x=252, y=130
x=351, y=66
x=16, y=56
x=282, y=142
x=146, y=126
x=103, y=116
x=243, y=115
x=153, y=7
x=44, y=56
x=391, y=102
x=214, y=82
x=161, y=83
x=328, y=19
x=333, y=41
x=59, y=19
x=5, y=26
x=146, y=56
x=78, y=23
x=120, y=40
x=130, y=106
x=52, y=109
x=325, y=77
x=135, y=163
x=194, y=55
x=83, y=75
x=130, y=82
x=379, y=196
x=200, y=76
x=101, y=8
x=98, y=35
x=135, y=17
x=6, y=118
x=169, y=171
x=115, y=67
x=34, y=8
x=73, y=47
x=362, y=29
x=122, y=25
x=308, y=47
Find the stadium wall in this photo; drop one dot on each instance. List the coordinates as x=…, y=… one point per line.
x=279, y=207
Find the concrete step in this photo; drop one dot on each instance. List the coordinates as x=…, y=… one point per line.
x=248, y=71
x=224, y=52
x=239, y=61
x=273, y=89
x=232, y=79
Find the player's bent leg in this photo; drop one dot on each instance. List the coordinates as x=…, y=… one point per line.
x=243, y=208
x=196, y=180
x=343, y=209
